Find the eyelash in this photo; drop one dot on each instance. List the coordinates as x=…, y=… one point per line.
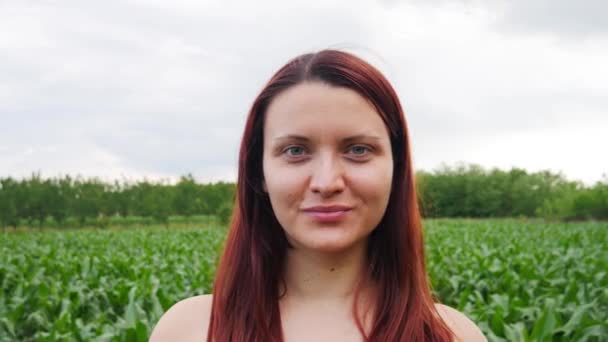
x=368, y=150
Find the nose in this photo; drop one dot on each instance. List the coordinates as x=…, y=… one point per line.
x=327, y=176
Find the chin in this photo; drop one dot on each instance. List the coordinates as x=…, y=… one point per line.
x=330, y=248
x=331, y=244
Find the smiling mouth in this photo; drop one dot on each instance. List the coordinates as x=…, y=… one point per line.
x=328, y=213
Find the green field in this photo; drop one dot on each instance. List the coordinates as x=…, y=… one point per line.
x=520, y=281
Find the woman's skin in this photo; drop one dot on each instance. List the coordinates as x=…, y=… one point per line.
x=323, y=146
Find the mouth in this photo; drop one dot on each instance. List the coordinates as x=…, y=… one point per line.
x=331, y=213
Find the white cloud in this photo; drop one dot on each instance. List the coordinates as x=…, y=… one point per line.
x=159, y=89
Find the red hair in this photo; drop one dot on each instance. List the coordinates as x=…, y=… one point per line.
x=246, y=290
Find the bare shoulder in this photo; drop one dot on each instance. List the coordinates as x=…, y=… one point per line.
x=187, y=320
x=460, y=324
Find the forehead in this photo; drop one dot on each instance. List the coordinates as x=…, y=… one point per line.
x=315, y=108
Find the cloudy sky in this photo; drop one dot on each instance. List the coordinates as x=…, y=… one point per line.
x=159, y=89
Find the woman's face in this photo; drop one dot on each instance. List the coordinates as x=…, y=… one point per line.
x=327, y=164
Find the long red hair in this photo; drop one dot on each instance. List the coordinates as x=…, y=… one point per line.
x=246, y=290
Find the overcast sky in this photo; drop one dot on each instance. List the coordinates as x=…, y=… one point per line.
x=159, y=89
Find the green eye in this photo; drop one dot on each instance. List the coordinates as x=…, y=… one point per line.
x=294, y=151
x=359, y=150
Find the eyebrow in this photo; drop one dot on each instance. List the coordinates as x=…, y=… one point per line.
x=347, y=139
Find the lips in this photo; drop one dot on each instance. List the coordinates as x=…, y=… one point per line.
x=328, y=213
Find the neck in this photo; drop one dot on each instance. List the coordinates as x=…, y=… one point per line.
x=314, y=275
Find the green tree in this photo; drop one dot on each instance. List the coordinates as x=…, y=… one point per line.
x=185, y=199
x=88, y=200
x=157, y=202
x=8, y=205
x=60, y=193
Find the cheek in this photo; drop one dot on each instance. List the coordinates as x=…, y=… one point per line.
x=376, y=177
x=284, y=186
x=373, y=185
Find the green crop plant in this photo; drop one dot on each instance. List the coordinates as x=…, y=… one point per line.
x=518, y=280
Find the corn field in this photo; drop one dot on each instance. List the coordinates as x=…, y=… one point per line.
x=518, y=280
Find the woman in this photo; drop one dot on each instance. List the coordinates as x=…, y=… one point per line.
x=325, y=242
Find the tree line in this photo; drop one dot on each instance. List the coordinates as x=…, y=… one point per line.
x=473, y=191
x=36, y=200
x=460, y=191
